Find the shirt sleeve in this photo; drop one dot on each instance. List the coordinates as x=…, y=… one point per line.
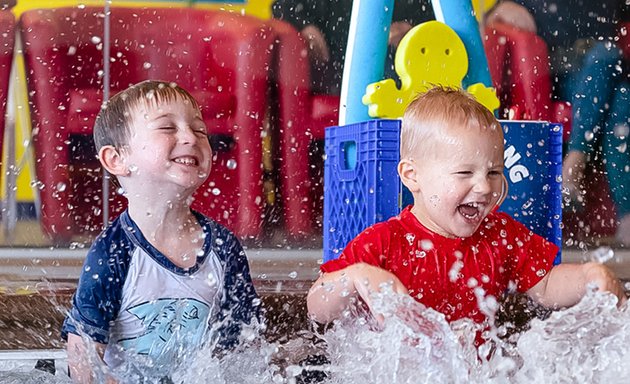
x=532, y=256
x=241, y=304
x=370, y=246
x=96, y=302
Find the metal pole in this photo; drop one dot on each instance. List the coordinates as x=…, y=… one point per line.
x=10, y=207
x=106, y=53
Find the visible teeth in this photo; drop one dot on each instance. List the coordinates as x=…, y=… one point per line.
x=465, y=210
x=185, y=161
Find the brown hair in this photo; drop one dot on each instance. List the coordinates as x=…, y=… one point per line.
x=113, y=123
x=437, y=110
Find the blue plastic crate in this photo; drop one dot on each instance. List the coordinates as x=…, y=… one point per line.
x=533, y=168
x=361, y=184
x=359, y=195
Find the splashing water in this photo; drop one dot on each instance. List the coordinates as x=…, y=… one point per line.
x=588, y=343
x=248, y=363
x=33, y=377
x=413, y=345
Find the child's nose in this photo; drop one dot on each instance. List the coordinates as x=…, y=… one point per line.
x=482, y=185
x=187, y=135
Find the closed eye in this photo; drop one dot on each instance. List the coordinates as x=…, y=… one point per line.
x=199, y=128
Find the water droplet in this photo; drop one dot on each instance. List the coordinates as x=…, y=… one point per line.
x=426, y=244
x=589, y=135
x=621, y=130
x=602, y=254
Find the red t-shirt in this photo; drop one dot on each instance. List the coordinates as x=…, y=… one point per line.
x=441, y=272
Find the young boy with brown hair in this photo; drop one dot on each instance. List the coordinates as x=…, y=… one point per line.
x=452, y=241
x=161, y=275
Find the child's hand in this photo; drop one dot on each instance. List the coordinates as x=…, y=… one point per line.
x=368, y=279
x=605, y=280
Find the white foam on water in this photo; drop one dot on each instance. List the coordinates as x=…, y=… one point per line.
x=588, y=343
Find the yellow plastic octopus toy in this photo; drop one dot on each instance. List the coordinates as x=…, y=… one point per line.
x=429, y=54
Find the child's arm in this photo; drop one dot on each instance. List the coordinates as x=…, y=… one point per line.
x=81, y=370
x=566, y=284
x=332, y=292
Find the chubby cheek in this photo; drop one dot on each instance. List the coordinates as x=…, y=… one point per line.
x=206, y=169
x=207, y=161
x=451, y=196
x=444, y=199
x=498, y=192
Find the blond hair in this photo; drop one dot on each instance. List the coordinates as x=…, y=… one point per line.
x=441, y=109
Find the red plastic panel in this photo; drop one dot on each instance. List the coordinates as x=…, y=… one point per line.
x=222, y=58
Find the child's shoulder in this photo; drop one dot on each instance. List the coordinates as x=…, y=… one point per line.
x=394, y=227
x=503, y=220
x=114, y=238
x=222, y=239
x=214, y=228
x=501, y=224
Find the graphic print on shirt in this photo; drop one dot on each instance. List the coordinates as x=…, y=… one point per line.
x=182, y=318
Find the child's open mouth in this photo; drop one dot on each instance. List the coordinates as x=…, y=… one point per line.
x=470, y=211
x=186, y=160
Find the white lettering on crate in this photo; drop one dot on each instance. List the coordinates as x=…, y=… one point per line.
x=517, y=172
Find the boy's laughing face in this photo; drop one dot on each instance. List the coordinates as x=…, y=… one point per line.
x=460, y=180
x=169, y=147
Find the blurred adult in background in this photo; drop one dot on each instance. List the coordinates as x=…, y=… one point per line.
x=589, y=71
x=324, y=24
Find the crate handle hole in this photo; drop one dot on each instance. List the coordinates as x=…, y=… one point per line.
x=349, y=155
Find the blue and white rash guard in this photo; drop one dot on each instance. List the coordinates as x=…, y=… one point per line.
x=132, y=296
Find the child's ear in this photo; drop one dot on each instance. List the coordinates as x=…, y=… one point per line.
x=112, y=161
x=408, y=172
